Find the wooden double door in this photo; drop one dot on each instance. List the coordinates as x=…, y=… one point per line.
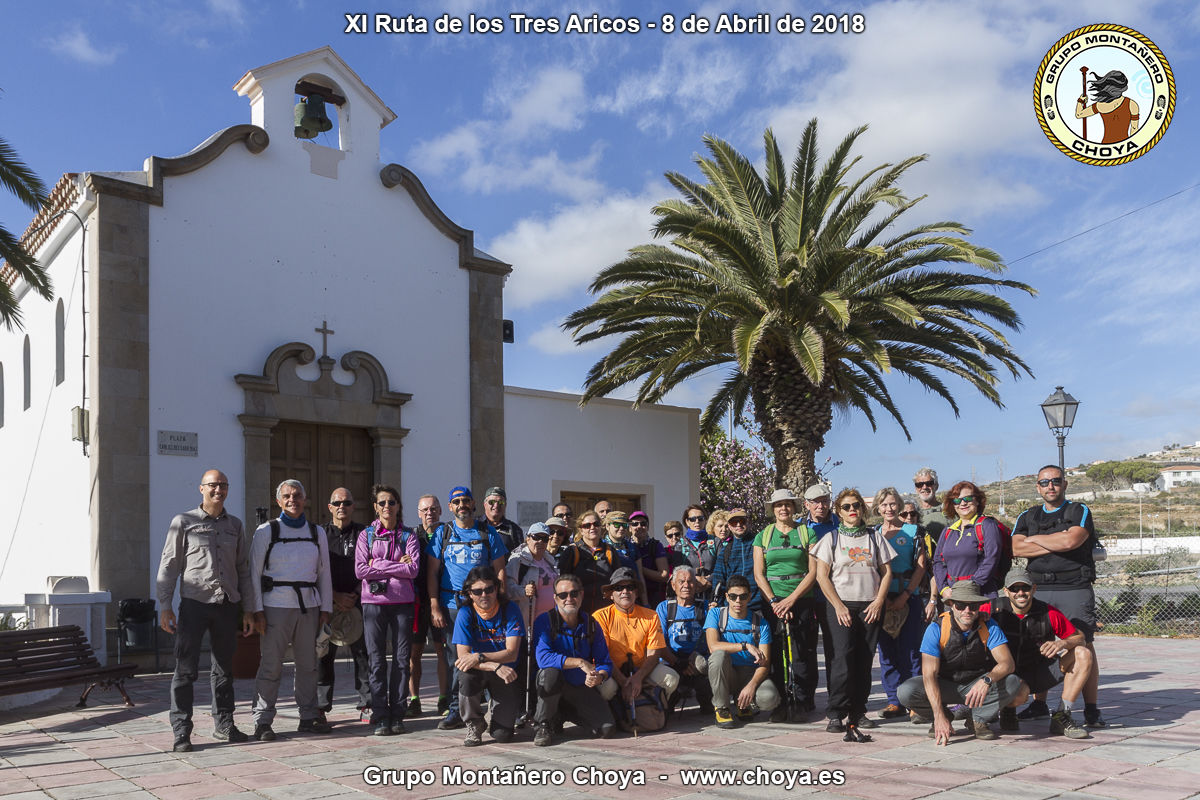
x=323, y=458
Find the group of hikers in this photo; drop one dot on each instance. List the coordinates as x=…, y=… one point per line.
x=588, y=618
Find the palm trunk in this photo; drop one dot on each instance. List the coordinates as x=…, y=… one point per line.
x=794, y=416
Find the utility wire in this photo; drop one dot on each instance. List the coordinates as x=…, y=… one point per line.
x=1102, y=224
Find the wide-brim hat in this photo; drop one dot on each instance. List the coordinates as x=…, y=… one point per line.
x=778, y=496
x=816, y=492
x=556, y=522
x=345, y=627
x=619, y=576
x=967, y=592
x=537, y=527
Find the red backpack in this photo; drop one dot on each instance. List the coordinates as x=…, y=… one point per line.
x=1003, y=565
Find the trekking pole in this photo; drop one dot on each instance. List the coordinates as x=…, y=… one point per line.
x=530, y=678
x=788, y=677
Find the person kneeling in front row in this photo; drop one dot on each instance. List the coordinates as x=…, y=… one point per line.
x=573, y=659
x=965, y=659
x=487, y=635
x=739, y=662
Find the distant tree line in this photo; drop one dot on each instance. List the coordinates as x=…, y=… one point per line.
x=1123, y=474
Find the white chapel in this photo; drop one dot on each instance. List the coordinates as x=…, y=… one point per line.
x=275, y=307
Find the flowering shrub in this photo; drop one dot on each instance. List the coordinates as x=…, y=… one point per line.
x=734, y=474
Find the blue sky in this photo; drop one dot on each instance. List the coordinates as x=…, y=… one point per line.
x=552, y=148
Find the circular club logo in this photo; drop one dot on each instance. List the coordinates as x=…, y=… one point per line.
x=1104, y=94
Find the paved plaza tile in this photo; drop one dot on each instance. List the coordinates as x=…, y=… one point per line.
x=1150, y=695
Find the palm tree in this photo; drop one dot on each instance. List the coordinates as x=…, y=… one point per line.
x=797, y=284
x=29, y=189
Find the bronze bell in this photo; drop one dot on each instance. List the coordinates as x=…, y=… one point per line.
x=303, y=130
x=316, y=118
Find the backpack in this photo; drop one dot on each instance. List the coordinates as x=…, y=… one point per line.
x=589, y=631
x=608, y=554
x=755, y=621
x=649, y=711
x=947, y=628
x=268, y=583
x=1004, y=563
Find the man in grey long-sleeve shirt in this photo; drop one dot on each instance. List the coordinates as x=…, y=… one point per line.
x=207, y=549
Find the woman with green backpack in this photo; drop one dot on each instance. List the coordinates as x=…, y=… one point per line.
x=783, y=576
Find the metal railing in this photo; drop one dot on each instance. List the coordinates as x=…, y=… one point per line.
x=1149, y=595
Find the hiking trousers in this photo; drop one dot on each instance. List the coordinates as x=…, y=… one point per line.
x=388, y=626
x=728, y=679
x=582, y=705
x=221, y=620
x=800, y=681
x=325, y=672
x=1000, y=694
x=287, y=626
x=505, y=698
x=854, y=648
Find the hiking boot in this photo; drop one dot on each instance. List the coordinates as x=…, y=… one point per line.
x=474, y=734
x=892, y=710
x=451, y=722
x=745, y=714
x=321, y=717
x=542, y=735
x=607, y=731
x=866, y=722
x=1008, y=720
x=382, y=728
x=918, y=719
x=724, y=718
x=1061, y=723
x=414, y=706
x=502, y=735
x=780, y=714
x=960, y=712
x=313, y=726
x=263, y=733
x=835, y=726
x=1094, y=719
x=183, y=744
x=398, y=728
x=1035, y=710
x=982, y=731
x=443, y=705
x=230, y=734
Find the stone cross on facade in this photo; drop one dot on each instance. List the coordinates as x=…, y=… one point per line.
x=325, y=334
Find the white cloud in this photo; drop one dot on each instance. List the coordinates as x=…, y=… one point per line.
x=232, y=10
x=501, y=154
x=76, y=44
x=555, y=257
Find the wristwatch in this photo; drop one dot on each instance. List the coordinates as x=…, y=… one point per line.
x=987, y=679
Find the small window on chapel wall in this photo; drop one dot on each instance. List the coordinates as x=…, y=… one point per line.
x=316, y=113
x=60, y=344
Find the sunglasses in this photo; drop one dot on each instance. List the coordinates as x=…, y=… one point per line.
x=924, y=484
x=540, y=537
x=460, y=501
x=216, y=485
x=1020, y=588
x=340, y=503
x=1044, y=482
x=962, y=501
x=496, y=502
x=386, y=503
x=699, y=518
x=590, y=525
x=571, y=595
x=625, y=587
x=851, y=506
x=673, y=535
x=558, y=531
x=739, y=522
x=486, y=590
x=957, y=606
x=908, y=513
x=619, y=524
x=638, y=523
x=737, y=597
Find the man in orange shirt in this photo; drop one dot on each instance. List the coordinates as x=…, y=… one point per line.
x=635, y=641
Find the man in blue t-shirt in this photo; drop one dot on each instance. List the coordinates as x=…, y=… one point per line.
x=682, y=621
x=487, y=639
x=573, y=660
x=739, y=643
x=455, y=549
x=965, y=659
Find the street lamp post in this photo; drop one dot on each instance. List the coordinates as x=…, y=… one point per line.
x=1059, y=409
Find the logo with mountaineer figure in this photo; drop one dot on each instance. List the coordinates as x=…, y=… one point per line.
x=1104, y=94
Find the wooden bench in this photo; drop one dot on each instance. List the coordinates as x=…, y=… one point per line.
x=51, y=658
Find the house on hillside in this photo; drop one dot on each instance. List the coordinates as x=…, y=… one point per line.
x=1175, y=475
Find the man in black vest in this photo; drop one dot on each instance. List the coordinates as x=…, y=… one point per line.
x=964, y=659
x=1047, y=648
x=1058, y=538
x=342, y=532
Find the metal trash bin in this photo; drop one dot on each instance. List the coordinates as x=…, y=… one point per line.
x=136, y=618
